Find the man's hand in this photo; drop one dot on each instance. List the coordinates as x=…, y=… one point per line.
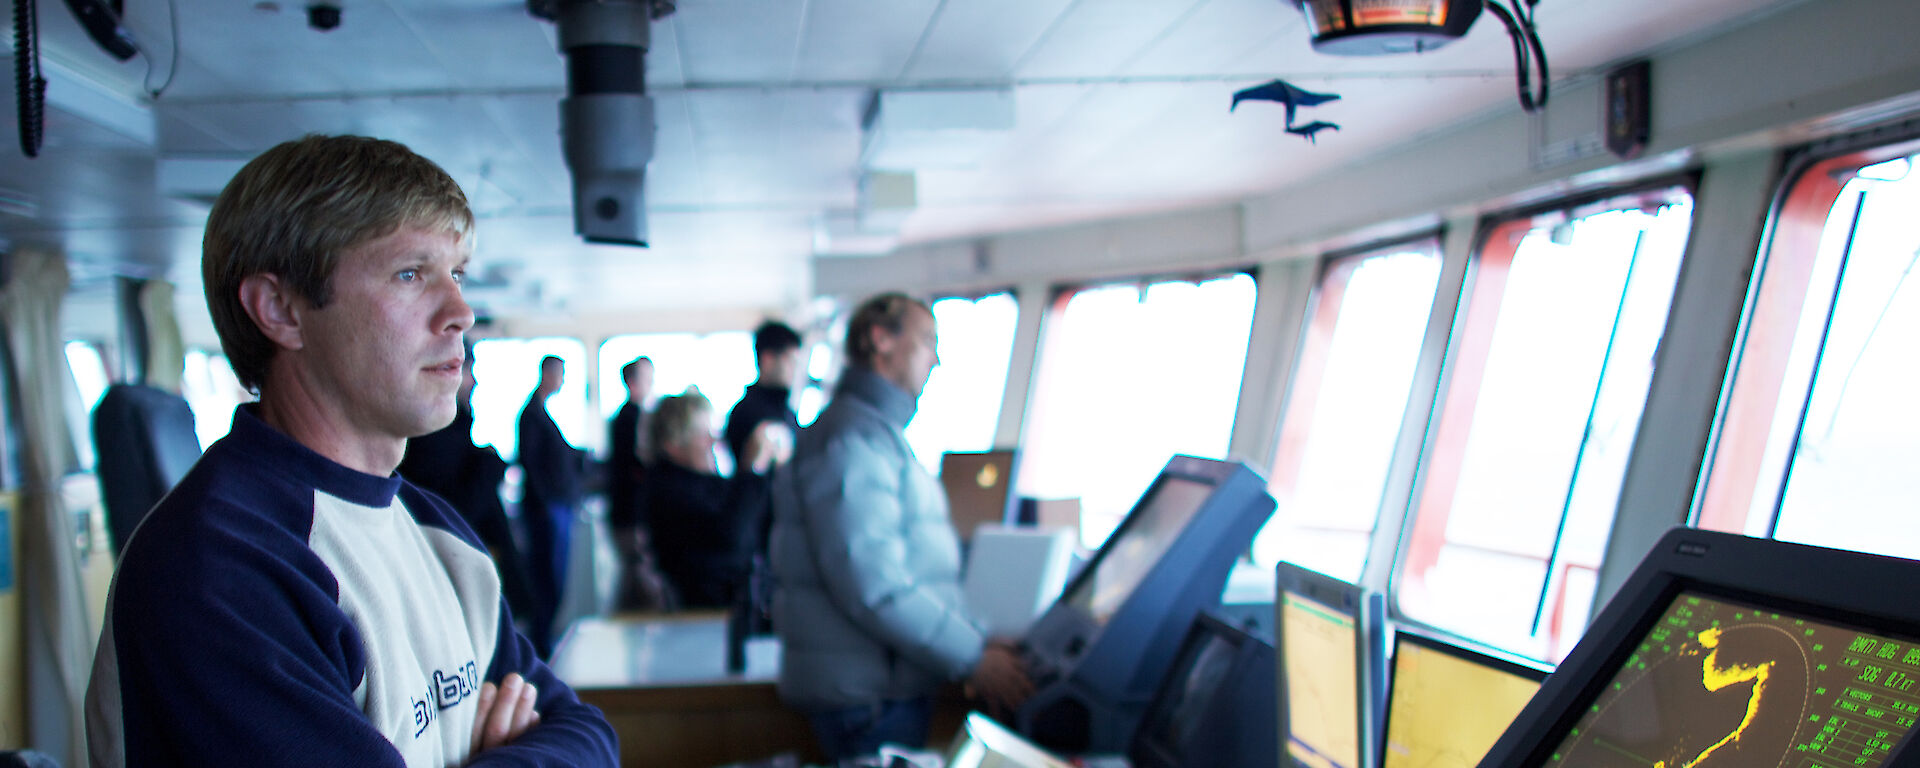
x=1000, y=680
x=505, y=713
x=770, y=445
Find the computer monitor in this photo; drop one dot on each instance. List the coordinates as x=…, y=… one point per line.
x=979, y=488
x=1447, y=704
x=1332, y=652
x=1727, y=650
x=983, y=743
x=1215, y=704
x=1097, y=654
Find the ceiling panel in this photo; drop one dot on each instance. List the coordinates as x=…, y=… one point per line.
x=738, y=41
x=1095, y=39
x=665, y=61
x=858, y=40
x=1218, y=37
x=495, y=45
x=982, y=40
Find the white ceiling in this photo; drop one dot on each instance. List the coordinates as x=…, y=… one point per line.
x=1120, y=108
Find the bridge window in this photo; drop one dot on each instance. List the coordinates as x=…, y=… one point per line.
x=505, y=372
x=1821, y=432
x=1547, y=374
x=960, y=408
x=1345, y=405
x=90, y=378
x=1128, y=376
x=212, y=392
x=719, y=364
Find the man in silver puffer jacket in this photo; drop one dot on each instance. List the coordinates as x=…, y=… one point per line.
x=868, y=602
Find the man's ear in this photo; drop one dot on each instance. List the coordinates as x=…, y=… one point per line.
x=274, y=308
x=881, y=341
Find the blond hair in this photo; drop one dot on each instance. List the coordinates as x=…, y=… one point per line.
x=677, y=418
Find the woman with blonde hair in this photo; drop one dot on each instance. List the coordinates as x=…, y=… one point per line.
x=701, y=531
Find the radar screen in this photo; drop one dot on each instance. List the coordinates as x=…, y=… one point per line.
x=1718, y=684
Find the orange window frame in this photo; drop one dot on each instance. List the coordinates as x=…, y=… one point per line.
x=1468, y=369
x=1759, y=375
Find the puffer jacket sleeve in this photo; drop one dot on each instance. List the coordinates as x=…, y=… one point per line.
x=854, y=514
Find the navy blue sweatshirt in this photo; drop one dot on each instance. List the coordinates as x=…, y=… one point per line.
x=278, y=608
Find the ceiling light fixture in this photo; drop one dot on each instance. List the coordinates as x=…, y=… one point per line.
x=1385, y=27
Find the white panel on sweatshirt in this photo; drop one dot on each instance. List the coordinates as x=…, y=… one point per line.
x=428, y=608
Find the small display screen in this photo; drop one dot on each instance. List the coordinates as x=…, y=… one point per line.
x=1718, y=683
x=1146, y=534
x=1322, y=684
x=1374, y=13
x=1446, y=711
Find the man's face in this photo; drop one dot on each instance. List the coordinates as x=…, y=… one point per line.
x=780, y=367
x=385, y=353
x=553, y=374
x=908, y=357
x=467, y=381
x=640, y=383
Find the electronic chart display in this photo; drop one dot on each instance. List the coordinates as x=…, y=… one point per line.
x=1098, y=654
x=1137, y=546
x=1320, y=667
x=1728, y=651
x=1447, y=705
x=1716, y=682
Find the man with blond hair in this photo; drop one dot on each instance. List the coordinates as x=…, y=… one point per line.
x=293, y=601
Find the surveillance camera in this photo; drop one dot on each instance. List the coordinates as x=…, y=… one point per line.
x=323, y=16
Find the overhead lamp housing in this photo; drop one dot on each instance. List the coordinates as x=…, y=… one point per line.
x=606, y=120
x=1383, y=27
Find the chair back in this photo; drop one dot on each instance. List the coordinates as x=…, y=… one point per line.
x=145, y=440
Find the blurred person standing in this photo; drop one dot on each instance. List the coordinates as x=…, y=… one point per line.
x=551, y=495
x=776, y=355
x=868, y=604
x=766, y=405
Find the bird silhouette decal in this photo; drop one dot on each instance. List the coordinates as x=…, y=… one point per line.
x=1292, y=97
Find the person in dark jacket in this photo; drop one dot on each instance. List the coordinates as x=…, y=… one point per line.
x=640, y=587
x=550, y=497
x=701, y=524
x=766, y=405
x=626, y=445
x=468, y=477
x=776, y=355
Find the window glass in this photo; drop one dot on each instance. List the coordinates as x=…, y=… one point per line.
x=1822, y=432
x=721, y=365
x=813, y=390
x=1344, y=407
x=90, y=379
x=960, y=408
x=89, y=372
x=212, y=392
x=505, y=373
x=1130, y=375
x=1546, y=379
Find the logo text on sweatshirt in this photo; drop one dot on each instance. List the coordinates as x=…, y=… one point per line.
x=444, y=689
